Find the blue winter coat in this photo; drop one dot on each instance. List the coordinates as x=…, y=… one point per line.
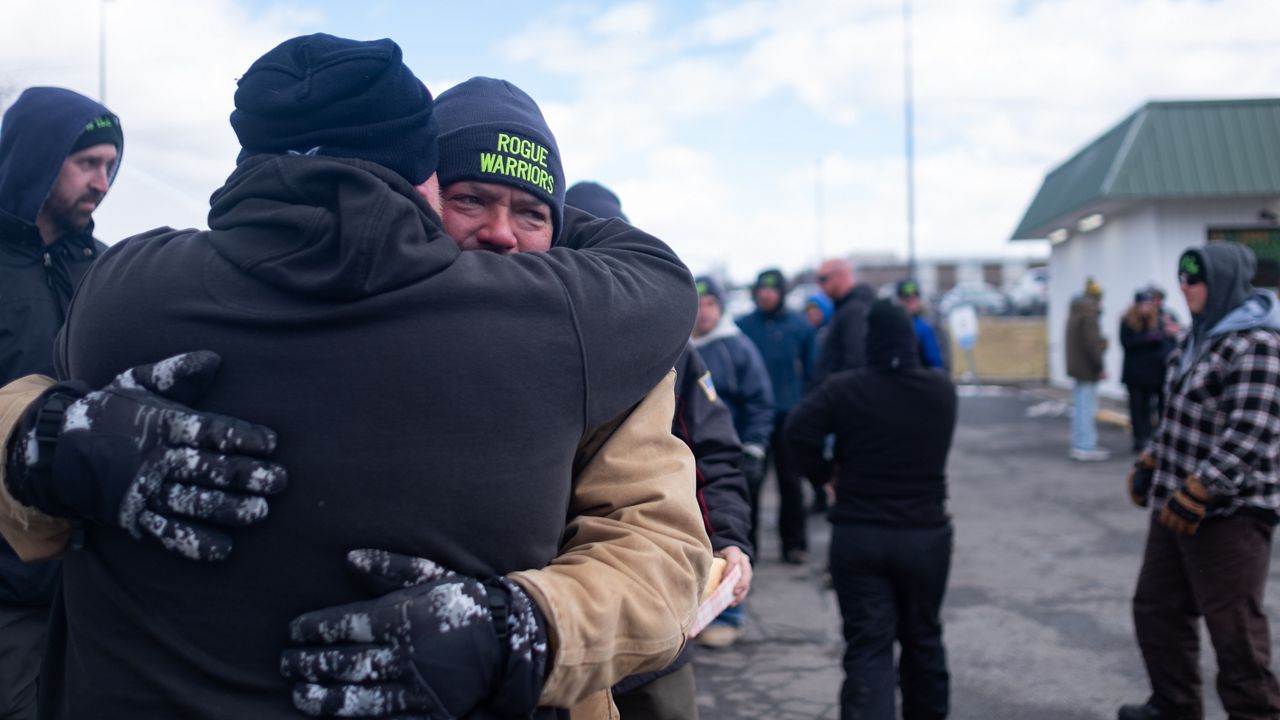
x=788, y=346
x=741, y=380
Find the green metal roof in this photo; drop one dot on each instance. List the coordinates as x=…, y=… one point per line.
x=1165, y=150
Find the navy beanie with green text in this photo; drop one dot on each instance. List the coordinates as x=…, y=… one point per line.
x=491, y=131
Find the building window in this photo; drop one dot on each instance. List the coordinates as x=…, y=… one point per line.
x=1265, y=243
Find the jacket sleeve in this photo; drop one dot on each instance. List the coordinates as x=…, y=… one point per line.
x=623, y=591
x=1251, y=403
x=704, y=422
x=829, y=353
x=633, y=304
x=844, y=348
x=32, y=534
x=1092, y=343
x=757, y=394
x=808, y=354
x=929, y=351
x=806, y=430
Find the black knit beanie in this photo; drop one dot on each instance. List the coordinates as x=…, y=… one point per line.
x=492, y=132
x=891, y=338
x=325, y=95
x=595, y=199
x=707, y=286
x=102, y=130
x=771, y=278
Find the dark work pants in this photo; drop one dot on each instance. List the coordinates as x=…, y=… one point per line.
x=21, y=648
x=890, y=583
x=1142, y=408
x=1218, y=574
x=670, y=697
x=791, y=512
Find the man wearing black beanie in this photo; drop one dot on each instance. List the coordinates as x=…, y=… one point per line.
x=429, y=402
x=59, y=152
x=1211, y=477
x=891, y=536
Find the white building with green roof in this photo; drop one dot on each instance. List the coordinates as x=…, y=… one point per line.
x=1169, y=176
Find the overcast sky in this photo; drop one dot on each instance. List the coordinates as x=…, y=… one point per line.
x=745, y=134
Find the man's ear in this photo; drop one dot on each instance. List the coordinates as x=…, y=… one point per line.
x=429, y=189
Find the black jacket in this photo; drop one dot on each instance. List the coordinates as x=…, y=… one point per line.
x=741, y=380
x=428, y=401
x=845, y=345
x=703, y=421
x=893, y=421
x=36, y=282
x=1145, y=353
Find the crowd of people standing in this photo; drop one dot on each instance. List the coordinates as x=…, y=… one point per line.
x=372, y=445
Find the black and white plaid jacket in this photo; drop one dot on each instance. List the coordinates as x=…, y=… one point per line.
x=1222, y=423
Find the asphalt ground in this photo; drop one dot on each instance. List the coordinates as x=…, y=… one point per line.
x=1037, y=613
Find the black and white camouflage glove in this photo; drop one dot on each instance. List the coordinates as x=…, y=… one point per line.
x=438, y=645
x=131, y=455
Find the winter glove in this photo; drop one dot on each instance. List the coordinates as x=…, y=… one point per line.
x=1184, y=510
x=1141, y=475
x=132, y=456
x=753, y=462
x=437, y=645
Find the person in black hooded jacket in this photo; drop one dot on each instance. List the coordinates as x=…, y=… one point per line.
x=429, y=402
x=891, y=535
x=845, y=345
x=59, y=152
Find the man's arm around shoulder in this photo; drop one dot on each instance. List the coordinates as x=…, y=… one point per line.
x=32, y=534
x=622, y=593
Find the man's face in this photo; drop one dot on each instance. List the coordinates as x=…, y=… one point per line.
x=708, y=315
x=814, y=315
x=767, y=299
x=835, y=279
x=1196, y=293
x=911, y=304
x=80, y=187
x=497, y=218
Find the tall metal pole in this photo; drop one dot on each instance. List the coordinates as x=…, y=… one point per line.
x=102, y=51
x=817, y=167
x=910, y=133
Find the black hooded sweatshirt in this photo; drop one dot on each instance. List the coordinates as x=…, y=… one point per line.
x=36, y=281
x=893, y=420
x=428, y=401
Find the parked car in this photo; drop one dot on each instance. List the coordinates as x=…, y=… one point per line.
x=1029, y=294
x=984, y=298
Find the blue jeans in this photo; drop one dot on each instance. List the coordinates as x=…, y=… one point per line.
x=733, y=616
x=1084, y=428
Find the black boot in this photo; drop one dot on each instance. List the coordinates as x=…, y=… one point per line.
x=1145, y=711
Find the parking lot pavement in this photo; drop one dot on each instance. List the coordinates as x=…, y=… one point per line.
x=1037, y=619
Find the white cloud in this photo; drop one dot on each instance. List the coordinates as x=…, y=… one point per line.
x=171, y=75
x=1004, y=90
x=1001, y=96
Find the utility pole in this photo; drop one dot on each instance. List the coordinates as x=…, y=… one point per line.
x=102, y=51
x=909, y=112
x=817, y=171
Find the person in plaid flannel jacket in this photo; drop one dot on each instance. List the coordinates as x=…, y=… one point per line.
x=1212, y=479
